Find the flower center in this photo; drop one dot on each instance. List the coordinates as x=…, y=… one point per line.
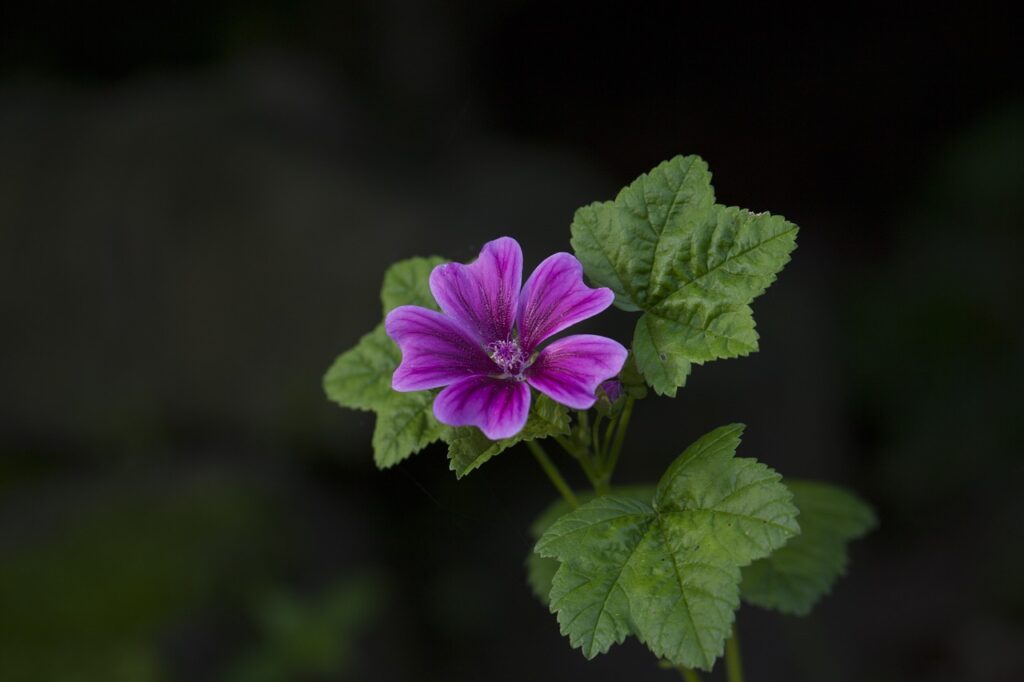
x=509, y=357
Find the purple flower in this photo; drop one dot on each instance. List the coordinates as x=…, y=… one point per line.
x=484, y=346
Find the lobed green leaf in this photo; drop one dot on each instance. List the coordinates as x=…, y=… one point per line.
x=792, y=579
x=668, y=569
x=690, y=265
x=405, y=426
x=594, y=544
x=541, y=570
x=360, y=378
x=633, y=382
x=407, y=282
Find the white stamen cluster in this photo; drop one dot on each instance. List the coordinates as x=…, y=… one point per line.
x=509, y=357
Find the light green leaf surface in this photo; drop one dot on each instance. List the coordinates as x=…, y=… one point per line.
x=361, y=377
x=408, y=283
x=633, y=382
x=668, y=569
x=796, y=576
x=405, y=426
x=692, y=266
x=469, y=448
x=540, y=570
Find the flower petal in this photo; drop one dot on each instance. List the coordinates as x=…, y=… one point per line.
x=499, y=407
x=483, y=295
x=436, y=350
x=555, y=297
x=570, y=369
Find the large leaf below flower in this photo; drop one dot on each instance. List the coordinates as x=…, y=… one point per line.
x=797, y=575
x=668, y=569
x=541, y=570
x=692, y=266
x=361, y=377
x=469, y=448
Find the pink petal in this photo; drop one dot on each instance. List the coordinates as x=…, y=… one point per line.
x=570, y=369
x=484, y=294
x=499, y=407
x=436, y=350
x=554, y=298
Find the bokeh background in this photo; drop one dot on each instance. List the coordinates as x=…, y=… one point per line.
x=197, y=204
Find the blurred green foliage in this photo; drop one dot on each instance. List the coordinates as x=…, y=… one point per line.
x=92, y=585
x=311, y=638
x=935, y=348
x=935, y=336
x=100, y=585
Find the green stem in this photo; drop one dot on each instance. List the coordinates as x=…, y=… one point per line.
x=688, y=674
x=553, y=473
x=733, y=663
x=606, y=442
x=583, y=457
x=595, y=433
x=584, y=425
x=601, y=475
x=620, y=436
x=568, y=446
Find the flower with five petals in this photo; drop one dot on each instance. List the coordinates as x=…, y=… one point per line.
x=484, y=347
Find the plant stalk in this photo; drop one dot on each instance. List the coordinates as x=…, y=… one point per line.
x=620, y=436
x=553, y=473
x=733, y=662
x=688, y=674
x=584, y=458
x=595, y=440
x=584, y=421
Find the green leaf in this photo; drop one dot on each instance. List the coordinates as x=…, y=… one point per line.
x=591, y=589
x=690, y=265
x=405, y=426
x=796, y=576
x=540, y=570
x=668, y=570
x=469, y=448
x=632, y=381
x=663, y=367
x=408, y=283
x=360, y=378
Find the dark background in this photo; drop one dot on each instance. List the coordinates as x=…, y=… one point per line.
x=197, y=205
